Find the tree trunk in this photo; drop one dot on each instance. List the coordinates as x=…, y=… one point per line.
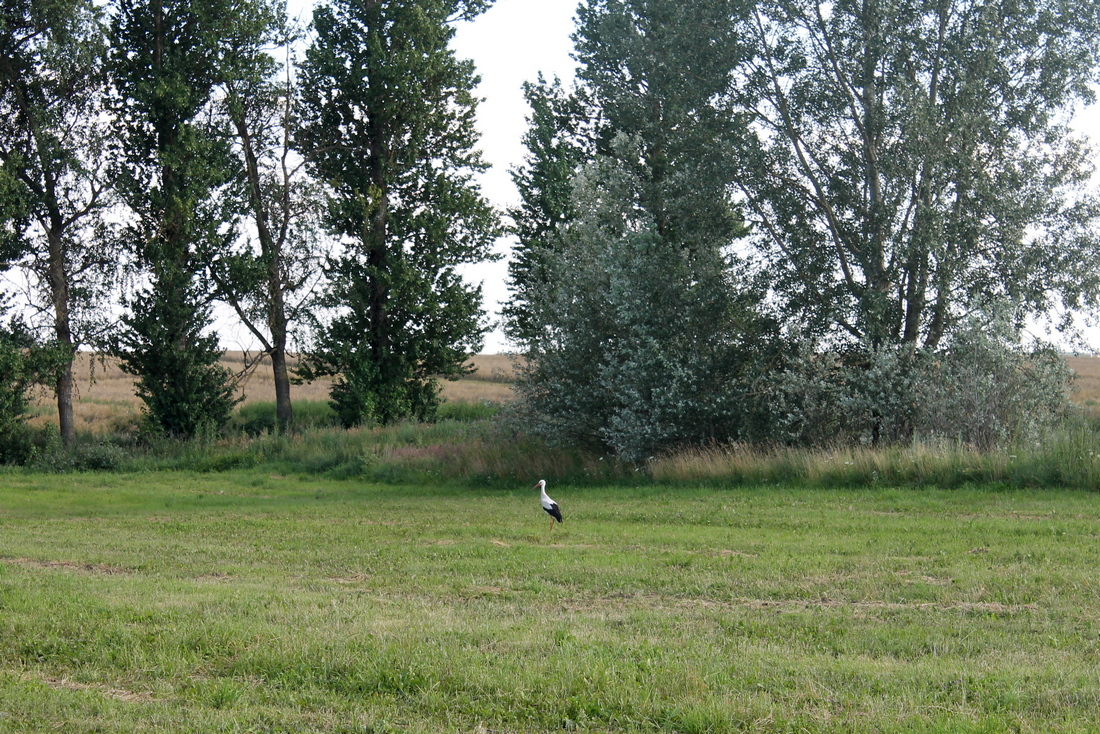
x=64, y=389
x=277, y=323
x=270, y=249
x=284, y=411
x=59, y=294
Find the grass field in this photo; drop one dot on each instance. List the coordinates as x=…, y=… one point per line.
x=247, y=602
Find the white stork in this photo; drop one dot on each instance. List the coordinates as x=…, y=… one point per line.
x=548, y=504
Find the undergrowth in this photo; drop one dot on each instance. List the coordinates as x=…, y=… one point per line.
x=467, y=449
x=1069, y=457
x=470, y=446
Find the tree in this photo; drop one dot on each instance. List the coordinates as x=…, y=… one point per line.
x=166, y=60
x=558, y=144
x=388, y=122
x=642, y=345
x=54, y=145
x=260, y=101
x=913, y=168
x=24, y=363
x=639, y=324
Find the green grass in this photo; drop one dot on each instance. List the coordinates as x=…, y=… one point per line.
x=463, y=449
x=247, y=601
x=260, y=416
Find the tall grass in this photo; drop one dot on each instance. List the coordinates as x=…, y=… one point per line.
x=477, y=450
x=468, y=448
x=260, y=417
x=1069, y=457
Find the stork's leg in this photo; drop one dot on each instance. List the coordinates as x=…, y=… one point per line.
x=551, y=524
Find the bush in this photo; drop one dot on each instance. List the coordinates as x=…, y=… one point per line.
x=985, y=393
x=982, y=390
x=81, y=456
x=24, y=362
x=640, y=341
x=260, y=417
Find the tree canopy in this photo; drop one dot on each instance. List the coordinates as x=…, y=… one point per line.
x=913, y=167
x=904, y=171
x=388, y=123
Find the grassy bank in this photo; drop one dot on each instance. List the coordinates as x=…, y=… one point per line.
x=1069, y=457
x=472, y=446
x=182, y=602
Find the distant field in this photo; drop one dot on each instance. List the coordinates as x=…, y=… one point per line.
x=248, y=602
x=1088, y=381
x=106, y=400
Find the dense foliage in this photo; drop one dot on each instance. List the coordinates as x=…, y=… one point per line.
x=629, y=302
x=982, y=389
x=778, y=222
x=908, y=180
x=388, y=121
x=912, y=168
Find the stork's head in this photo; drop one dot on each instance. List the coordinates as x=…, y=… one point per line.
x=541, y=486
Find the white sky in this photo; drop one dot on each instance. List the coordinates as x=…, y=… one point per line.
x=510, y=44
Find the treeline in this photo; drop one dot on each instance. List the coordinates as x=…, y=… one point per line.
x=773, y=222
x=802, y=222
x=159, y=156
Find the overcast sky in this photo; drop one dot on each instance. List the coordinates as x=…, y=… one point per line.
x=511, y=43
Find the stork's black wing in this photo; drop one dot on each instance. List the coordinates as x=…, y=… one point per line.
x=553, y=511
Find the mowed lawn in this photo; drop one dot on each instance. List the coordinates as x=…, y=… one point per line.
x=252, y=603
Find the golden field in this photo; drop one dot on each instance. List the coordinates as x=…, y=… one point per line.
x=1087, y=389
x=105, y=399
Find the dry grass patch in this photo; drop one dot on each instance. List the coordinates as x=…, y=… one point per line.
x=93, y=568
x=117, y=694
x=1087, y=388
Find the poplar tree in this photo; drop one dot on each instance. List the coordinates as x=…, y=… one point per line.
x=638, y=320
x=388, y=122
x=558, y=144
x=264, y=277
x=177, y=165
x=914, y=166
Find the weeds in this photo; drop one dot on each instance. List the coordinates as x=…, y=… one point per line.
x=474, y=447
x=1069, y=457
